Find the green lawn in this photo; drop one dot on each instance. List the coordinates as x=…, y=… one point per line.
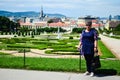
x=106, y=53
x=56, y=64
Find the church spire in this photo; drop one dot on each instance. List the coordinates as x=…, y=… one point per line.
x=41, y=14
x=41, y=11
x=110, y=17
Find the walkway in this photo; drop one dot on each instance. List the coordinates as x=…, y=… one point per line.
x=38, y=53
x=112, y=44
x=15, y=74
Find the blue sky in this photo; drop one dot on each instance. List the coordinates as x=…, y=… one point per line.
x=70, y=8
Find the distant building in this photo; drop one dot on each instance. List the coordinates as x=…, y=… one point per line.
x=86, y=19
x=111, y=24
x=66, y=23
x=95, y=21
x=22, y=20
x=117, y=17
x=54, y=20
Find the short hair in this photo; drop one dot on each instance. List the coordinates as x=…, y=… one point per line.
x=89, y=23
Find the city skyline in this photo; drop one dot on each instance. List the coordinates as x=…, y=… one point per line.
x=76, y=8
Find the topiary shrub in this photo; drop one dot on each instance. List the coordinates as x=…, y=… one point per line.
x=32, y=36
x=70, y=37
x=22, y=50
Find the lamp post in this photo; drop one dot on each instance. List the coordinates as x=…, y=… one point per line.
x=24, y=59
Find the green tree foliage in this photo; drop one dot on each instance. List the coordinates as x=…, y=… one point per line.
x=116, y=30
x=50, y=29
x=6, y=25
x=100, y=30
x=77, y=30
x=50, y=21
x=24, y=29
x=106, y=31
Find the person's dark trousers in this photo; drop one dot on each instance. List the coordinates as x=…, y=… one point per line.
x=89, y=58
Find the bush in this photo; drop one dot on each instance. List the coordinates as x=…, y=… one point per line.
x=15, y=35
x=70, y=37
x=22, y=50
x=116, y=32
x=77, y=30
x=9, y=41
x=32, y=36
x=48, y=51
x=77, y=36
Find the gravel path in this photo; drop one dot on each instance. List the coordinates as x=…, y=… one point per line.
x=112, y=44
x=39, y=53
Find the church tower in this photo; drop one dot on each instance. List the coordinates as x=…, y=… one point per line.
x=41, y=14
x=110, y=17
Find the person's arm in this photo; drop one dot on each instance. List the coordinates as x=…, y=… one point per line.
x=96, y=41
x=79, y=45
x=95, y=45
x=80, y=42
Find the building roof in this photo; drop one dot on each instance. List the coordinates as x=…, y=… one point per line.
x=93, y=25
x=26, y=24
x=58, y=24
x=40, y=24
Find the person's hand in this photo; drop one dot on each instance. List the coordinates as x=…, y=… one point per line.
x=78, y=48
x=95, y=52
x=95, y=49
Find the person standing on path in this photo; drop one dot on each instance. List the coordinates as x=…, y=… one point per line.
x=88, y=45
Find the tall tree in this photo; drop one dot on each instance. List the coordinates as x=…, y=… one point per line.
x=6, y=25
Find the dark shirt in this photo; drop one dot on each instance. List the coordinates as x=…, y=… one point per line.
x=87, y=40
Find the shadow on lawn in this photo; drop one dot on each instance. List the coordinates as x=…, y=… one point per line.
x=105, y=72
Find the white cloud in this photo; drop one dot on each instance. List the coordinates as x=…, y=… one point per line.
x=93, y=0
x=64, y=6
